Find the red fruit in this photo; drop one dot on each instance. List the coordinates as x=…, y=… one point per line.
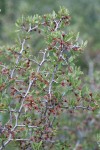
x=90, y=94
x=62, y=83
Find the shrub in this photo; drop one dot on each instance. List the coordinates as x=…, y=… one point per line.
x=36, y=90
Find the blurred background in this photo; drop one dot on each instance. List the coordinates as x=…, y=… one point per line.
x=85, y=19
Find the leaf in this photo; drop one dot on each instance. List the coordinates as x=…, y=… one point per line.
x=54, y=15
x=85, y=43
x=16, y=24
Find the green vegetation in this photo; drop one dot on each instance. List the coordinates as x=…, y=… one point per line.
x=45, y=100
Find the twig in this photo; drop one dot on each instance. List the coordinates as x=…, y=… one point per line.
x=18, y=58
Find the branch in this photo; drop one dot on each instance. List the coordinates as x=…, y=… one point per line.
x=18, y=58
